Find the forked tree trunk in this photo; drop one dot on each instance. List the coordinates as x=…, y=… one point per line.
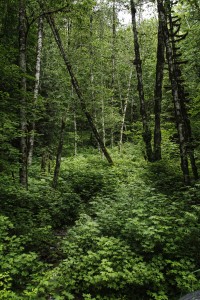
x=174, y=34
x=158, y=90
x=138, y=64
x=23, y=171
x=76, y=87
x=177, y=104
x=36, y=88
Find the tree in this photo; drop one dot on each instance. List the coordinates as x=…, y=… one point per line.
x=138, y=64
x=23, y=172
x=176, y=36
x=76, y=86
x=181, y=117
x=36, y=88
x=59, y=152
x=158, y=89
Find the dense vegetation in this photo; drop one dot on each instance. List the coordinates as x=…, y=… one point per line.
x=93, y=204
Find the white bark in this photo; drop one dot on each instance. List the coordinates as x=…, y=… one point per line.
x=36, y=88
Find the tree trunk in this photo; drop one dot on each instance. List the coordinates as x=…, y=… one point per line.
x=75, y=124
x=75, y=133
x=103, y=118
x=23, y=171
x=94, y=109
x=138, y=64
x=36, y=88
x=59, y=153
x=181, y=91
x=77, y=88
x=177, y=105
x=124, y=111
x=158, y=90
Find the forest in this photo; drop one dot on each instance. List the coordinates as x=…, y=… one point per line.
x=99, y=149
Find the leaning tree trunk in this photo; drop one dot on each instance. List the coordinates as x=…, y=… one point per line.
x=138, y=64
x=23, y=171
x=158, y=90
x=36, y=88
x=177, y=104
x=77, y=88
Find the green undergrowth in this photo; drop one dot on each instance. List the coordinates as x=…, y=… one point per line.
x=128, y=231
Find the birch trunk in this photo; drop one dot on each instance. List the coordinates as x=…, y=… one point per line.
x=77, y=88
x=138, y=64
x=36, y=88
x=158, y=89
x=23, y=171
x=113, y=66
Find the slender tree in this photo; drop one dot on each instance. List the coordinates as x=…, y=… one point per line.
x=138, y=63
x=76, y=86
x=59, y=152
x=124, y=109
x=36, y=88
x=158, y=89
x=23, y=171
x=114, y=19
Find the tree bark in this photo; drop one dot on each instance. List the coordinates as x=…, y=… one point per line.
x=75, y=134
x=23, y=171
x=177, y=104
x=77, y=88
x=138, y=64
x=103, y=118
x=75, y=124
x=36, y=88
x=59, y=153
x=158, y=90
x=94, y=109
x=181, y=92
x=124, y=111
x=113, y=66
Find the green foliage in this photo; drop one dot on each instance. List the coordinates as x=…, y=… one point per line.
x=88, y=177
x=17, y=266
x=39, y=214
x=102, y=267
x=133, y=242
x=129, y=239
x=41, y=205
x=130, y=231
